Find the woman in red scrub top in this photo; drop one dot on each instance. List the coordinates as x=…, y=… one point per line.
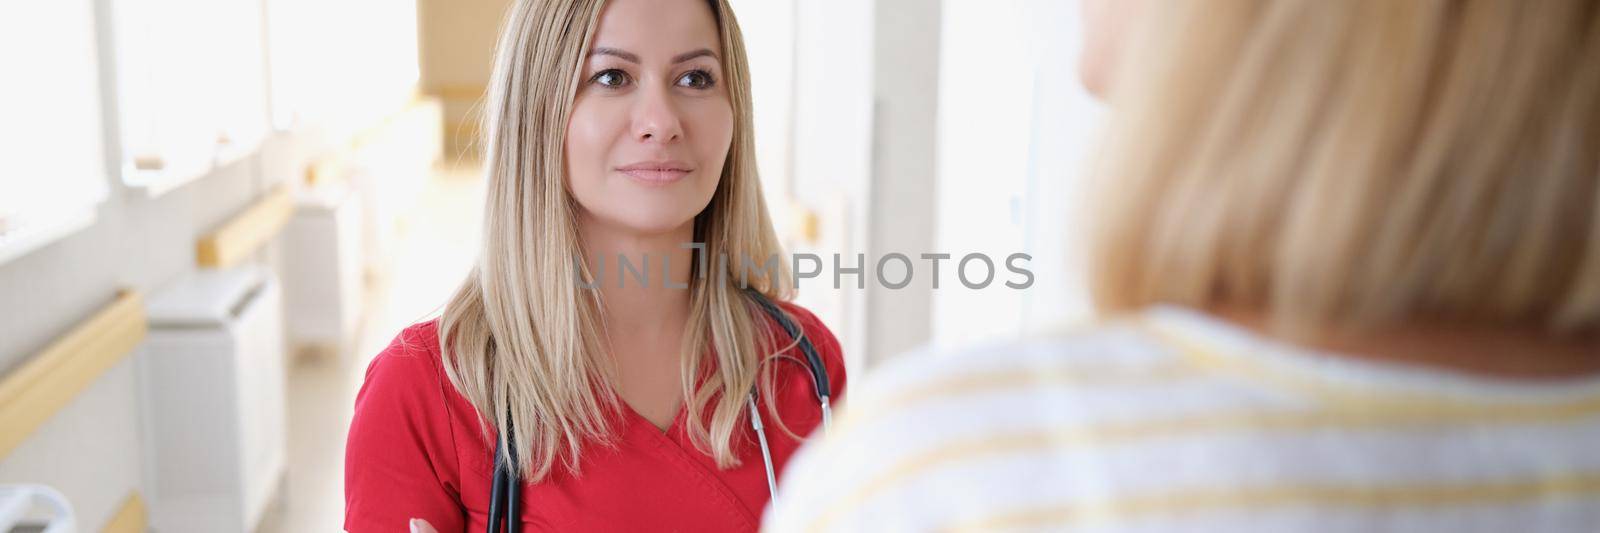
x=628, y=318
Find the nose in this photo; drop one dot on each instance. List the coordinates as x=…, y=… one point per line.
x=656, y=119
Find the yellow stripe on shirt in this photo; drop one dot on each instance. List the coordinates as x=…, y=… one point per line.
x=1084, y=513
x=1252, y=370
x=1122, y=432
x=964, y=387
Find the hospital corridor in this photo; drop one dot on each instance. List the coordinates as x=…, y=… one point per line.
x=437, y=241
x=438, y=266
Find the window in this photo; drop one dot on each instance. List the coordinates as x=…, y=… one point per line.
x=192, y=88
x=340, y=67
x=52, y=157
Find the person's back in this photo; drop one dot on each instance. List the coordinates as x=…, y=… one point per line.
x=1176, y=421
x=1348, y=259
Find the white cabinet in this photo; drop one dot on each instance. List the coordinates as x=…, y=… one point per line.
x=324, y=275
x=213, y=401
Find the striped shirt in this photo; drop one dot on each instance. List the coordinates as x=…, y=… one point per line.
x=1176, y=421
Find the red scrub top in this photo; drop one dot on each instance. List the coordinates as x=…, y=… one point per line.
x=415, y=450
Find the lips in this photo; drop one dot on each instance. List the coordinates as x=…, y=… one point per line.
x=656, y=172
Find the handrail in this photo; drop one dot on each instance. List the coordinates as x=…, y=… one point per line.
x=47, y=382
x=130, y=516
x=245, y=233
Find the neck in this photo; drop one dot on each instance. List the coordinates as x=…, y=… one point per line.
x=1496, y=352
x=649, y=300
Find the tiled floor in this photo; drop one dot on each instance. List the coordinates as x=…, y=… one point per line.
x=437, y=242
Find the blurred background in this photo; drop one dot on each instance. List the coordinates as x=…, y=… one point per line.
x=215, y=212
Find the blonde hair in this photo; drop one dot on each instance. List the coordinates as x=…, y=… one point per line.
x=1358, y=164
x=521, y=340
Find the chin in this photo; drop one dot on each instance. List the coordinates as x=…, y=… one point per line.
x=652, y=220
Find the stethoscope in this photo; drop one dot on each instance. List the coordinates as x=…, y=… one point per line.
x=505, y=500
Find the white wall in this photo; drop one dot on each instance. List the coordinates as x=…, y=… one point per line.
x=1015, y=127
x=922, y=127
x=832, y=153
x=1066, y=128
x=903, y=198
x=769, y=28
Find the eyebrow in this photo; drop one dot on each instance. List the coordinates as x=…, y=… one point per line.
x=634, y=58
x=703, y=52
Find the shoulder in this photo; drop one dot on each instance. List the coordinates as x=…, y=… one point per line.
x=406, y=394
x=413, y=354
x=926, y=418
x=405, y=376
x=401, y=456
x=823, y=339
x=1013, y=384
x=1089, y=348
x=812, y=326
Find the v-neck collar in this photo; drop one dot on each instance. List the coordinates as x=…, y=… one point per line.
x=633, y=416
x=673, y=447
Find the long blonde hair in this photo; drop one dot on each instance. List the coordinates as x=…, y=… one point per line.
x=1358, y=164
x=521, y=340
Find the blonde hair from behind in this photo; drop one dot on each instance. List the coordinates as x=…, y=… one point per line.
x=522, y=341
x=1360, y=164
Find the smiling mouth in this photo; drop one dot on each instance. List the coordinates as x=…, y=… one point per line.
x=656, y=173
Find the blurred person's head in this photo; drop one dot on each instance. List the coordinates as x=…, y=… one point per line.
x=634, y=115
x=1357, y=165
x=1107, y=24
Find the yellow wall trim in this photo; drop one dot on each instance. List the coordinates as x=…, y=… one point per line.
x=467, y=92
x=130, y=518
x=47, y=382
x=245, y=233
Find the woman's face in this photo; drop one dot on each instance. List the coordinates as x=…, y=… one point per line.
x=652, y=121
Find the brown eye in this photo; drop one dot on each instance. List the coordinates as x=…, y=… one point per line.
x=696, y=79
x=610, y=78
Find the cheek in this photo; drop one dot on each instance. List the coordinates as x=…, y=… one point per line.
x=714, y=120
x=589, y=138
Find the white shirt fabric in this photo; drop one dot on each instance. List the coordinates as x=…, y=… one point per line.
x=1176, y=421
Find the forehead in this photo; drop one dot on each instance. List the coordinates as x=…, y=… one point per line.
x=656, y=30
